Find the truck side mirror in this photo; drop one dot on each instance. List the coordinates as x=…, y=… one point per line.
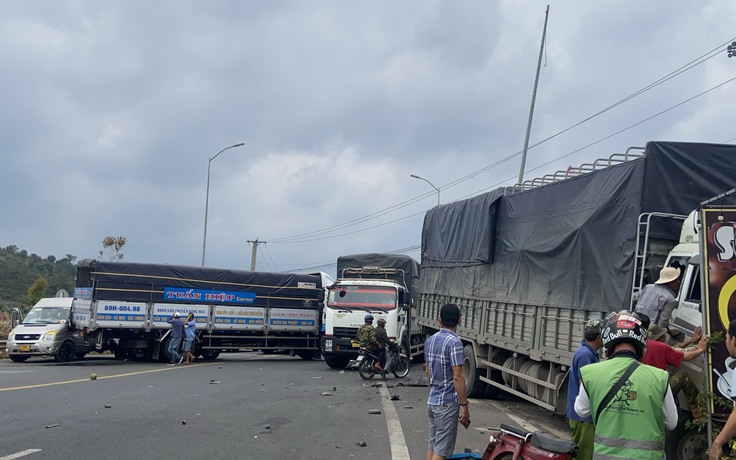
x=402, y=297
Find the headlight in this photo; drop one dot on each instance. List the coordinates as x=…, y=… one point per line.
x=11, y=334
x=328, y=345
x=49, y=336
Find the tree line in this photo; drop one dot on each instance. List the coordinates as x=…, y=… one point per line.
x=25, y=278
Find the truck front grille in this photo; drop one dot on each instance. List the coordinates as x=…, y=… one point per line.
x=27, y=337
x=346, y=332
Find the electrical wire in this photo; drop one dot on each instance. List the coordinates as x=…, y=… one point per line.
x=327, y=230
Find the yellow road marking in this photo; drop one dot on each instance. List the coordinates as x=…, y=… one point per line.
x=127, y=374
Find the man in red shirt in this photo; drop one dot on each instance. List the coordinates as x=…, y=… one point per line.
x=660, y=355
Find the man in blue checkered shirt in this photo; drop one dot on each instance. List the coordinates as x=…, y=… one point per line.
x=447, y=404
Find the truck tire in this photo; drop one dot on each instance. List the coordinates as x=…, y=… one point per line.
x=66, y=353
x=80, y=355
x=18, y=358
x=210, y=355
x=305, y=354
x=336, y=362
x=474, y=387
x=685, y=443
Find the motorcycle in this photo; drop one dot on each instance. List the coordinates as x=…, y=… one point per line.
x=511, y=443
x=397, y=362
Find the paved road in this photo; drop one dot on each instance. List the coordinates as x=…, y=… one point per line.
x=245, y=405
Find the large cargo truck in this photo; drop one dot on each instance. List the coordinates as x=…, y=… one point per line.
x=123, y=307
x=529, y=265
x=378, y=284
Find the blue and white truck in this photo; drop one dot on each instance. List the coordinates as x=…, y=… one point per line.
x=123, y=307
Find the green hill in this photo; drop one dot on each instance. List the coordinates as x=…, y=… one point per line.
x=19, y=270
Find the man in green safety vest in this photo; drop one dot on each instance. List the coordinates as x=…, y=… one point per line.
x=631, y=404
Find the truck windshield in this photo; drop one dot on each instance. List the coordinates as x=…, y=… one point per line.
x=362, y=297
x=47, y=315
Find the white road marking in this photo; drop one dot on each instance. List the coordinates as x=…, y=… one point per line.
x=399, y=451
x=20, y=454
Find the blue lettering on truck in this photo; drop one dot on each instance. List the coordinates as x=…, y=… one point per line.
x=209, y=296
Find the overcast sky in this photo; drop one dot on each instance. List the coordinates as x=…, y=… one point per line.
x=110, y=111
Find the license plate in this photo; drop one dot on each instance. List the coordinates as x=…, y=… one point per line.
x=360, y=358
x=24, y=348
x=356, y=345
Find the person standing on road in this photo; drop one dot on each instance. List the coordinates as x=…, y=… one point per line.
x=729, y=429
x=177, y=331
x=631, y=404
x=581, y=428
x=658, y=301
x=190, y=326
x=366, y=336
x=447, y=403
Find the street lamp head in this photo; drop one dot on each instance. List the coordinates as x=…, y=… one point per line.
x=414, y=176
x=238, y=144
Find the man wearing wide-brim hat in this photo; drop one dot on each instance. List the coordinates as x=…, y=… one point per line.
x=658, y=300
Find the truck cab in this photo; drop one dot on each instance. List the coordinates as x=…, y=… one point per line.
x=348, y=302
x=47, y=331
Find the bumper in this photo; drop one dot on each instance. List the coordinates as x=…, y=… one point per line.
x=32, y=348
x=338, y=346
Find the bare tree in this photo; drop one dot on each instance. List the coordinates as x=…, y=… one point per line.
x=111, y=247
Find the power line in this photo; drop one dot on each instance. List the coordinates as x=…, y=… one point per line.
x=304, y=237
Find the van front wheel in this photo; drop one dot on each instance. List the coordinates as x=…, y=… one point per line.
x=66, y=353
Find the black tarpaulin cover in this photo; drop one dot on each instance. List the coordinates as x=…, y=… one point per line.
x=569, y=244
x=146, y=283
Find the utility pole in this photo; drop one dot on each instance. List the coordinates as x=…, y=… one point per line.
x=534, y=97
x=254, y=252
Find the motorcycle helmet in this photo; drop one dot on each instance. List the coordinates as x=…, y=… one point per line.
x=624, y=326
x=368, y=318
x=381, y=320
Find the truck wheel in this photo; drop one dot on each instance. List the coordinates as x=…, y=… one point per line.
x=336, y=362
x=80, y=355
x=210, y=355
x=66, y=353
x=18, y=358
x=685, y=443
x=305, y=354
x=474, y=387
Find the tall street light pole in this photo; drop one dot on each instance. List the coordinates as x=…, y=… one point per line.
x=425, y=180
x=207, y=196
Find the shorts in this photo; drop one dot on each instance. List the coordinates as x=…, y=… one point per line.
x=189, y=346
x=443, y=421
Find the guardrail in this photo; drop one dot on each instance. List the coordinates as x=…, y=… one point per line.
x=2, y=345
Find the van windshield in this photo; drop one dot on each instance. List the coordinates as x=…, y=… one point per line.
x=362, y=297
x=47, y=315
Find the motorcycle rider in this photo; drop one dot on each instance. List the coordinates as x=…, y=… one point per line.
x=631, y=413
x=366, y=336
x=382, y=339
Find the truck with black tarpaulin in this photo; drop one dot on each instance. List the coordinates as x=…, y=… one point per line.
x=123, y=307
x=382, y=285
x=530, y=264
